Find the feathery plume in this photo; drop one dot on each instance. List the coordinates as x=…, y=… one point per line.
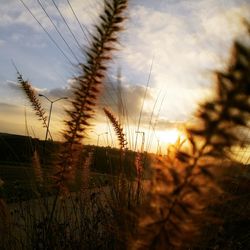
x=117, y=127
x=32, y=96
x=183, y=184
x=87, y=84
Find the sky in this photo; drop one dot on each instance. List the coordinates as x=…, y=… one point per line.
x=167, y=53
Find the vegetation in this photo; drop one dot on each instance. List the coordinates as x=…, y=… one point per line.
x=184, y=184
x=194, y=197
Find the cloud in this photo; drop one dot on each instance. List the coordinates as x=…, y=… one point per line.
x=12, y=118
x=164, y=124
x=15, y=13
x=13, y=85
x=36, y=42
x=6, y=108
x=2, y=42
x=183, y=39
x=127, y=97
x=184, y=45
x=228, y=23
x=30, y=47
x=58, y=92
x=16, y=118
x=173, y=105
x=16, y=86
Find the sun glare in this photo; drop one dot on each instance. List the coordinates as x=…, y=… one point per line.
x=170, y=136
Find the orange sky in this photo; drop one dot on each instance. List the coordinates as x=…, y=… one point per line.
x=177, y=43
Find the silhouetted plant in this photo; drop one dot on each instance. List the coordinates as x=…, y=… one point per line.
x=126, y=194
x=87, y=85
x=117, y=127
x=31, y=94
x=183, y=189
x=52, y=220
x=183, y=184
x=233, y=178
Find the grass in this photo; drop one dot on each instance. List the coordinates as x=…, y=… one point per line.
x=196, y=196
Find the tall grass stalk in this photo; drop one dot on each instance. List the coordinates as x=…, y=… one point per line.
x=32, y=96
x=184, y=185
x=87, y=86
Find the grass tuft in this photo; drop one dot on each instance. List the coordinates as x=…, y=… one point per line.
x=32, y=96
x=87, y=86
x=184, y=185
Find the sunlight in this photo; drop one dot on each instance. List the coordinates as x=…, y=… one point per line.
x=170, y=136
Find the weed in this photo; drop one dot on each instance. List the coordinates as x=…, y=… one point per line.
x=197, y=194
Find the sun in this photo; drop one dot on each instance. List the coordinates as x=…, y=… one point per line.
x=170, y=136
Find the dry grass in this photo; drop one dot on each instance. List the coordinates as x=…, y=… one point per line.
x=183, y=206
x=87, y=86
x=117, y=127
x=184, y=186
x=32, y=96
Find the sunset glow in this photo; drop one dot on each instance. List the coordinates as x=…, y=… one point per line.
x=170, y=136
x=150, y=45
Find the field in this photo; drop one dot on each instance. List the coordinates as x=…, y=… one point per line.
x=67, y=194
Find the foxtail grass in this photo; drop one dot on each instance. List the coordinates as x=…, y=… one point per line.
x=87, y=86
x=184, y=184
x=32, y=96
x=117, y=127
